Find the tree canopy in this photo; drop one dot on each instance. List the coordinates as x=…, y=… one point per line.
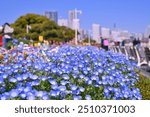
x=40, y=26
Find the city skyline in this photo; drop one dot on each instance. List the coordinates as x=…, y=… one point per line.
x=127, y=14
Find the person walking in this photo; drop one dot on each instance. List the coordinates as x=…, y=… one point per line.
x=105, y=44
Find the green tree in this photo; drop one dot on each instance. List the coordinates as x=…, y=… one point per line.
x=40, y=25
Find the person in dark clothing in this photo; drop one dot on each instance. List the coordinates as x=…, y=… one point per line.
x=123, y=43
x=134, y=42
x=102, y=42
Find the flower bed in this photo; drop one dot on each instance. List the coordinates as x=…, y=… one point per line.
x=70, y=73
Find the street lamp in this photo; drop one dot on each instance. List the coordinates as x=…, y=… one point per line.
x=27, y=28
x=89, y=39
x=76, y=20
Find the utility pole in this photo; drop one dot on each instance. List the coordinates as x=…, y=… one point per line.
x=27, y=28
x=75, y=21
x=89, y=37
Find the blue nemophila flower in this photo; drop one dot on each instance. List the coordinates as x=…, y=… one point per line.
x=4, y=97
x=67, y=71
x=45, y=97
x=65, y=77
x=20, y=58
x=5, y=75
x=88, y=97
x=19, y=77
x=23, y=95
x=73, y=87
x=31, y=97
x=39, y=93
x=54, y=86
x=76, y=97
x=53, y=93
x=52, y=82
x=89, y=82
x=63, y=82
x=62, y=88
x=14, y=93
x=1, y=80
x=27, y=89
x=12, y=80
x=82, y=89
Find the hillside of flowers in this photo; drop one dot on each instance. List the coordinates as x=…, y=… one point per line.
x=67, y=73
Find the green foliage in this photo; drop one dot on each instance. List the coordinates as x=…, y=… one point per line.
x=40, y=25
x=44, y=86
x=144, y=86
x=8, y=45
x=87, y=40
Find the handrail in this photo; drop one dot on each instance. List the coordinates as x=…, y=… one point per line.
x=133, y=53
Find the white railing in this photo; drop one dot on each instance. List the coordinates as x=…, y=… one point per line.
x=140, y=54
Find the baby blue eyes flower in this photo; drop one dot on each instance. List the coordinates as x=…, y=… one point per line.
x=5, y=76
x=88, y=97
x=4, y=97
x=69, y=71
x=76, y=97
x=81, y=76
x=53, y=82
x=27, y=89
x=63, y=82
x=100, y=71
x=39, y=93
x=54, y=87
x=89, y=82
x=23, y=95
x=1, y=80
x=53, y=93
x=73, y=87
x=82, y=89
x=20, y=58
x=31, y=97
x=45, y=97
x=12, y=80
x=65, y=77
x=62, y=88
x=14, y=93
x=19, y=78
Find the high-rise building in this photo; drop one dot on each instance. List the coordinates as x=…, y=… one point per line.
x=71, y=18
x=124, y=34
x=105, y=32
x=73, y=15
x=63, y=22
x=115, y=35
x=52, y=15
x=147, y=32
x=96, y=32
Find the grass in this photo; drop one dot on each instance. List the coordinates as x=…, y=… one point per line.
x=144, y=85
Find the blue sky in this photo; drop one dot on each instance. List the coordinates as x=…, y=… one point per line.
x=132, y=15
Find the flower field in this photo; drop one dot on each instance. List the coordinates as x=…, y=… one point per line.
x=68, y=73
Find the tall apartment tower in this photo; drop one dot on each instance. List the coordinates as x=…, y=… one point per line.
x=96, y=32
x=71, y=18
x=52, y=15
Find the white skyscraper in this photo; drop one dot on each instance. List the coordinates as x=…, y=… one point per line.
x=71, y=18
x=105, y=32
x=73, y=14
x=115, y=35
x=96, y=32
x=52, y=15
x=63, y=22
x=147, y=33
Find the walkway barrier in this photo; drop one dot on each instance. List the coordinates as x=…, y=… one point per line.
x=139, y=54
